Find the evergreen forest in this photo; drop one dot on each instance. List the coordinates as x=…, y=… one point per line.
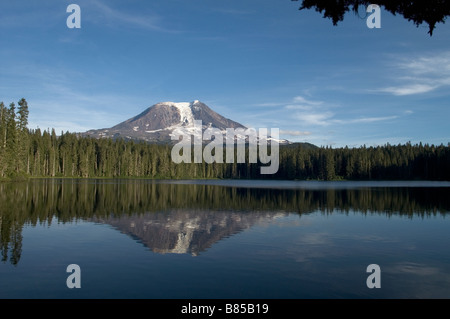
x=26, y=153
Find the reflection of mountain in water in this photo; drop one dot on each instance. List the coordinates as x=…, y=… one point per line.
x=190, y=217
x=185, y=231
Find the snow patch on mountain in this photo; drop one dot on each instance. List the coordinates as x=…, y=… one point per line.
x=185, y=110
x=186, y=117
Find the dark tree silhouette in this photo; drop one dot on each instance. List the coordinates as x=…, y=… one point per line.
x=430, y=12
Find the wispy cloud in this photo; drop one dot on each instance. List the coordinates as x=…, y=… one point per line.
x=311, y=119
x=66, y=109
x=366, y=119
x=328, y=118
x=409, y=89
x=301, y=103
x=59, y=98
x=315, y=118
x=232, y=11
x=36, y=15
x=269, y=104
x=150, y=21
x=295, y=133
x=319, y=113
x=422, y=74
x=302, y=100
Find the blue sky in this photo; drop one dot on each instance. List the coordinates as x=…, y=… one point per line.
x=262, y=63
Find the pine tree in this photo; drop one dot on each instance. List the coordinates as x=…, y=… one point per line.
x=23, y=162
x=2, y=137
x=10, y=142
x=22, y=115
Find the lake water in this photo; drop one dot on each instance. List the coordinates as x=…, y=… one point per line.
x=224, y=239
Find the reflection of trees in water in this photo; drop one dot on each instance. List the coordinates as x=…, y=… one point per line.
x=40, y=201
x=11, y=240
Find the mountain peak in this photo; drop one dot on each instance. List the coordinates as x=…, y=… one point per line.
x=157, y=122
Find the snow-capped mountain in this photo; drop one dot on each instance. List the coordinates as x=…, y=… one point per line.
x=186, y=231
x=161, y=121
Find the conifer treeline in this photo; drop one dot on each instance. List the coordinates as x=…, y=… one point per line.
x=25, y=152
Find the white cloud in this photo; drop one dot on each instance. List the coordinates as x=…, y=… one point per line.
x=409, y=90
x=327, y=118
x=295, y=133
x=232, y=11
x=58, y=98
x=116, y=16
x=301, y=103
x=297, y=103
x=421, y=74
x=269, y=104
x=309, y=112
x=436, y=64
x=302, y=100
x=76, y=112
x=321, y=119
x=298, y=107
x=366, y=119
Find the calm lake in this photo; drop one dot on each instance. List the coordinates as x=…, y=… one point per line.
x=224, y=239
